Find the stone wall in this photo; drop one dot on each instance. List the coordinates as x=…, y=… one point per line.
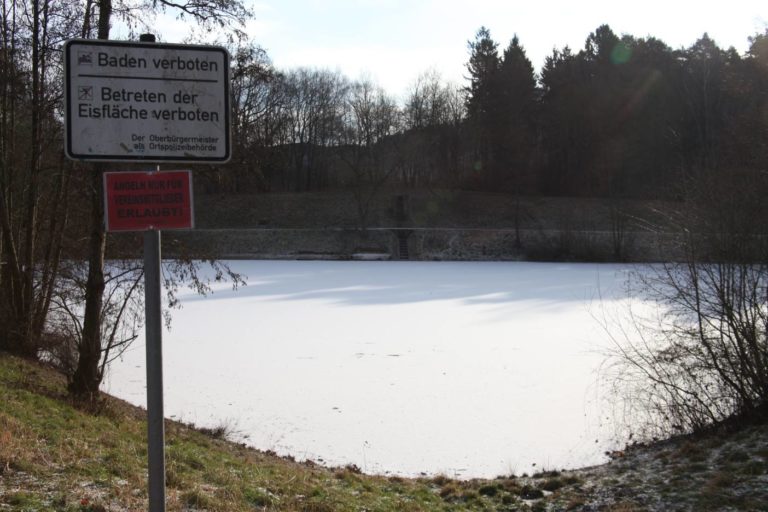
x=541, y=245
x=286, y=243
x=424, y=244
x=429, y=225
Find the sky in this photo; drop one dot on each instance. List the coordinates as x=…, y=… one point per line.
x=394, y=41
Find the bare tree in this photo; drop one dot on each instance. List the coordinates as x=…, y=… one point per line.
x=122, y=313
x=313, y=107
x=370, y=143
x=429, y=102
x=254, y=121
x=705, y=357
x=34, y=180
x=433, y=118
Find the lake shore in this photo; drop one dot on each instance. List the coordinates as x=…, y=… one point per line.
x=57, y=455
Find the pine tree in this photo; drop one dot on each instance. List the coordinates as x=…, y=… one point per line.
x=513, y=117
x=483, y=66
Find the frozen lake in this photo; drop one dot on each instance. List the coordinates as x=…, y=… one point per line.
x=466, y=369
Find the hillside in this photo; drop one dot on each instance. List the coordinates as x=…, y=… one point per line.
x=424, y=208
x=59, y=455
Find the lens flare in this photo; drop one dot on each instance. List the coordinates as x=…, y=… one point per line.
x=621, y=53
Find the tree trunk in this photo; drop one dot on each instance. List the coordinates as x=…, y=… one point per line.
x=19, y=237
x=87, y=377
x=30, y=339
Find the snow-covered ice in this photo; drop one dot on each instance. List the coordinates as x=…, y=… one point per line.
x=462, y=368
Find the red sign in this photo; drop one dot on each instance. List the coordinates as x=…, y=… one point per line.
x=139, y=201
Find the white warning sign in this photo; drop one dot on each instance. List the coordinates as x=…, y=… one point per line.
x=146, y=102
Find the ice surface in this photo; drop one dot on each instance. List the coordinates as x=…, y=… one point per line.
x=466, y=369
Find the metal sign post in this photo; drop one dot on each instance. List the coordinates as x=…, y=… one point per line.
x=148, y=201
x=154, y=334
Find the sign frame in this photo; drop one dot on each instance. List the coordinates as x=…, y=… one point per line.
x=74, y=139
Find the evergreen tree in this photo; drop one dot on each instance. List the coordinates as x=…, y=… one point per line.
x=602, y=46
x=482, y=66
x=605, y=74
x=563, y=121
x=754, y=130
x=609, y=117
x=513, y=117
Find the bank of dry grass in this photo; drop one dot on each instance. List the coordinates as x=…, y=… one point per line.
x=59, y=455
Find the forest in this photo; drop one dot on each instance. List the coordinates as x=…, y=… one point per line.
x=621, y=117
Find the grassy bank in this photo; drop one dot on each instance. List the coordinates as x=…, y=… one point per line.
x=60, y=455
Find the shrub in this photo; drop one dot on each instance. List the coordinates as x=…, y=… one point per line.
x=701, y=359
